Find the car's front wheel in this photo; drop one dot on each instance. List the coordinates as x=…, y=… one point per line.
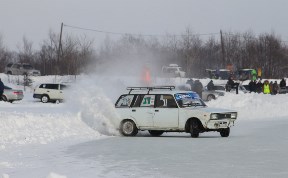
x=45, y=99
x=194, y=128
x=225, y=132
x=210, y=97
x=156, y=133
x=128, y=128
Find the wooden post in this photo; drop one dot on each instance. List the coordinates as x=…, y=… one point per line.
x=223, y=51
x=59, y=49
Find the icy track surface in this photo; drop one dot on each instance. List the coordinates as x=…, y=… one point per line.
x=77, y=139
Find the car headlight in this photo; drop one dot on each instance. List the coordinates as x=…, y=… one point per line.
x=233, y=115
x=214, y=116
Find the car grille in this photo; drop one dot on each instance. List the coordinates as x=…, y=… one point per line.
x=223, y=116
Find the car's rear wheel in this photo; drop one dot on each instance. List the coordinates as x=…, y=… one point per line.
x=225, y=132
x=210, y=97
x=194, y=128
x=45, y=99
x=156, y=133
x=4, y=98
x=128, y=128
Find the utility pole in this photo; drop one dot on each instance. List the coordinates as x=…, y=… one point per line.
x=59, y=49
x=222, y=47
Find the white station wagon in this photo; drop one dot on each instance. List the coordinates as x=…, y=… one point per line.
x=164, y=109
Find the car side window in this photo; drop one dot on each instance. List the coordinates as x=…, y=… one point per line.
x=165, y=101
x=124, y=101
x=138, y=99
x=148, y=101
x=52, y=86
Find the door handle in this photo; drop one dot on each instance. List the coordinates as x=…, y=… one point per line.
x=156, y=110
x=48, y=91
x=133, y=110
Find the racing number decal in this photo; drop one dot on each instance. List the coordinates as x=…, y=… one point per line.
x=147, y=100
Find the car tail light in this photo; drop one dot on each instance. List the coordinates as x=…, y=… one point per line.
x=17, y=92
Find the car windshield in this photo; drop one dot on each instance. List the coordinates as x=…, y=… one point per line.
x=27, y=66
x=189, y=99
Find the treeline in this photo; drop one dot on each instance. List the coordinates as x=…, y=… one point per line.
x=193, y=52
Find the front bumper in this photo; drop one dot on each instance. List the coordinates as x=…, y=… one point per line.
x=220, y=123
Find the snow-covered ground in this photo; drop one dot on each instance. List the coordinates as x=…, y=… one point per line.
x=76, y=139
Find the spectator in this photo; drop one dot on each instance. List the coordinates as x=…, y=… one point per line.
x=283, y=84
x=259, y=86
x=1, y=89
x=275, y=88
x=198, y=87
x=254, y=74
x=210, y=85
x=231, y=84
x=252, y=86
x=266, y=87
x=191, y=83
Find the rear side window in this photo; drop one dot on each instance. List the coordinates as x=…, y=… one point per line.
x=124, y=101
x=165, y=101
x=62, y=87
x=49, y=86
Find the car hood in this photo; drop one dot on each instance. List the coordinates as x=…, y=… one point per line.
x=210, y=110
x=216, y=110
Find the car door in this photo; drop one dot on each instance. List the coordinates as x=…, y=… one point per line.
x=52, y=90
x=143, y=111
x=166, y=112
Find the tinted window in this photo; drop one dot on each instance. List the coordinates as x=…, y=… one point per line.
x=27, y=66
x=138, y=100
x=124, y=101
x=165, y=101
x=62, y=87
x=49, y=86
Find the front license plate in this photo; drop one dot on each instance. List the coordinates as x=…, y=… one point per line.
x=223, y=124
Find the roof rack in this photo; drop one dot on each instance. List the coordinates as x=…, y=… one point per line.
x=150, y=88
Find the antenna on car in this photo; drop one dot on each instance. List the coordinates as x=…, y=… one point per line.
x=151, y=88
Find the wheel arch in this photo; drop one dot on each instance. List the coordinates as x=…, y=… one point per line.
x=126, y=119
x=187, y=124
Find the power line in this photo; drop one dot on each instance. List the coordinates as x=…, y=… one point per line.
x=118, y=33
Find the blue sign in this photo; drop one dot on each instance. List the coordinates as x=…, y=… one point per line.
x=181, y=96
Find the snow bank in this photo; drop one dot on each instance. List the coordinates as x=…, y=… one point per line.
x=89, y=109
x=254, y=106
x=23, y=128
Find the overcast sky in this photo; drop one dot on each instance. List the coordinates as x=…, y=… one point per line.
x=34, y=18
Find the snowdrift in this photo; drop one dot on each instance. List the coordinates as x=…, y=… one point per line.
x=89, y=109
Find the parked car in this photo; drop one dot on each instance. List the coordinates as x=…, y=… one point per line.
x=21, y=69
x=49, y=92
x=173, y=70
x=208, y=95
x=12, y=95
x=164, y=109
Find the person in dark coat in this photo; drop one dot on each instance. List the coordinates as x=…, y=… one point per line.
x=275, y=88
x=210, y=85
x=283, y=83
x=231, y=84
x=1, y=89
x=259, y=86
x=191, y=83
x=252, y=86
x=198, y=88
